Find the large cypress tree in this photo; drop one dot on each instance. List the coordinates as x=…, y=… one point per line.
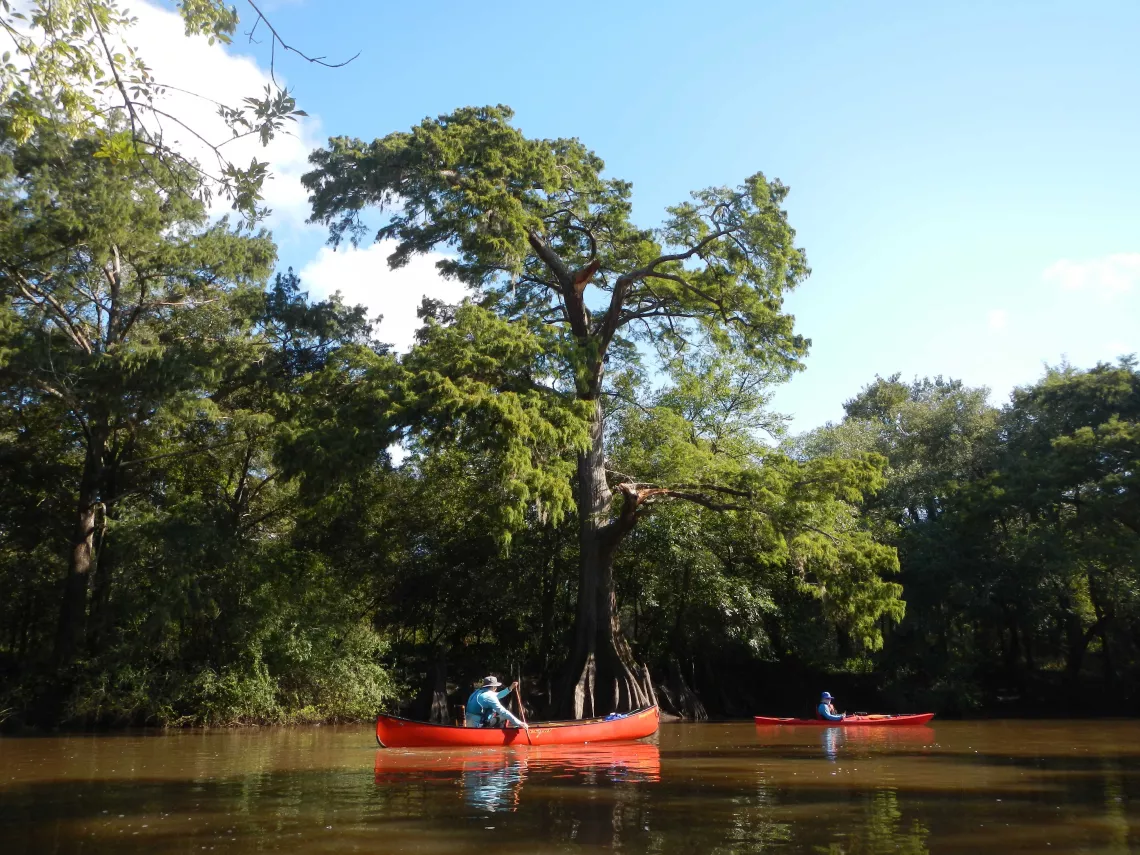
x=547, y=245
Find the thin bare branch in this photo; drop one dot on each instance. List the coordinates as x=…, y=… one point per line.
x=277, y=40
x=59, y=315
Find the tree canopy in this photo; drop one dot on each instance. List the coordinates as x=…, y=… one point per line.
x=204, y=520
x=546, y=243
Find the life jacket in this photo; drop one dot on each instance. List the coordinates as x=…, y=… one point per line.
x=485, y=713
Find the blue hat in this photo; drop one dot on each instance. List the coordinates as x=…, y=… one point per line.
x=826, y=696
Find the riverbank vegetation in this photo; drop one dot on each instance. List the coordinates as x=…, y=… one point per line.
x=227, y=502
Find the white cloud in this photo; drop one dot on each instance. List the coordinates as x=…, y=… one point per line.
x=210, y=72
x=362, y=276
x=998, y=319
x=1105, y=277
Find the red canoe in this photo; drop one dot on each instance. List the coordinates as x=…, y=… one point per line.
x=393, y=732
x=854, y=720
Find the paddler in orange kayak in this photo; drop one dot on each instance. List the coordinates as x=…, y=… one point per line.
x=826, y=709
x=485, y=708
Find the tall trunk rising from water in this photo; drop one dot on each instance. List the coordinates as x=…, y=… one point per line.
x=601, y=674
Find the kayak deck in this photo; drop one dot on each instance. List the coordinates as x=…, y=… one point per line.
x=853, y=720
x=394, y=732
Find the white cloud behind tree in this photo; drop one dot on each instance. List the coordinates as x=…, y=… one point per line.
x=201, y=74
x=362, y=276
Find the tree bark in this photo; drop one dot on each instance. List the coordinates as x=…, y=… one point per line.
x=433, y=697
x=1078, y=645
x=98, y=621
x=1103, y=620
x=1013, y=651
x=546, y=614
x=601, y=675
x=678, y=697
x=73, y=609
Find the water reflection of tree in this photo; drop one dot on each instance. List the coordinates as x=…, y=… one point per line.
x=1116, y=818
x=723, y=823
x=595, y=796
x=754, y=828
x=881, y=829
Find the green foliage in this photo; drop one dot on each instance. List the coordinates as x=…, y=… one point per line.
x=70, y=66
x=521, y=216
x=573, y=296
x=1017, y=530
x=151, y=381
x=256, y=556
x=482, y=383
x=794, y=528
x=475, y=381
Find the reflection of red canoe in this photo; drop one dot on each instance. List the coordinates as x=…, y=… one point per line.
x=854, y=720
x=392, y=732
x=641, y=759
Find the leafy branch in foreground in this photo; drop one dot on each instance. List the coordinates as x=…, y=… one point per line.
x=69, y=64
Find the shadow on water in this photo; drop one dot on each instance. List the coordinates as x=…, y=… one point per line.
x=720, y=789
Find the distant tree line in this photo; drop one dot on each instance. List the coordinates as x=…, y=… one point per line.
x=1018, y=530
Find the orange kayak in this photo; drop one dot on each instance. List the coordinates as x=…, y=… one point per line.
x=393, y=732
x=854, y=720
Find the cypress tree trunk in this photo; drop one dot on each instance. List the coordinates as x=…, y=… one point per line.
x=601, y=674
x=81, y=561
x=98, y=621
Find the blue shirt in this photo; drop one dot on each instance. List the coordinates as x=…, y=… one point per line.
x=824, y=710
x=485, y=710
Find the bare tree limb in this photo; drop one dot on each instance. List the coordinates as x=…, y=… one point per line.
x=63, y=321
x=277, y=40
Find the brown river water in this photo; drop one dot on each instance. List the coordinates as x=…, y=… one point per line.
x=694, y=788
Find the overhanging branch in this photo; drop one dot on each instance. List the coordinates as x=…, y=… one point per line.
x=277, y=40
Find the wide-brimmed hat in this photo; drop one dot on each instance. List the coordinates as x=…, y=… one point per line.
x=826, y=696
x=491, y=682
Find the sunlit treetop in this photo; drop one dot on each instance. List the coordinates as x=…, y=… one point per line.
x=540, y=233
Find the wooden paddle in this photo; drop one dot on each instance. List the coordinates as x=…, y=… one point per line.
x=522, y=709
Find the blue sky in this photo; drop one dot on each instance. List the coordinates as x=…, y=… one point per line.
x=964, y=175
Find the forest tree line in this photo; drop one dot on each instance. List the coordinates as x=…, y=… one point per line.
x=227, y=502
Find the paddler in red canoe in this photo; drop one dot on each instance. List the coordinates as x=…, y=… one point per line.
x=826, y=709
x=485, y=708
